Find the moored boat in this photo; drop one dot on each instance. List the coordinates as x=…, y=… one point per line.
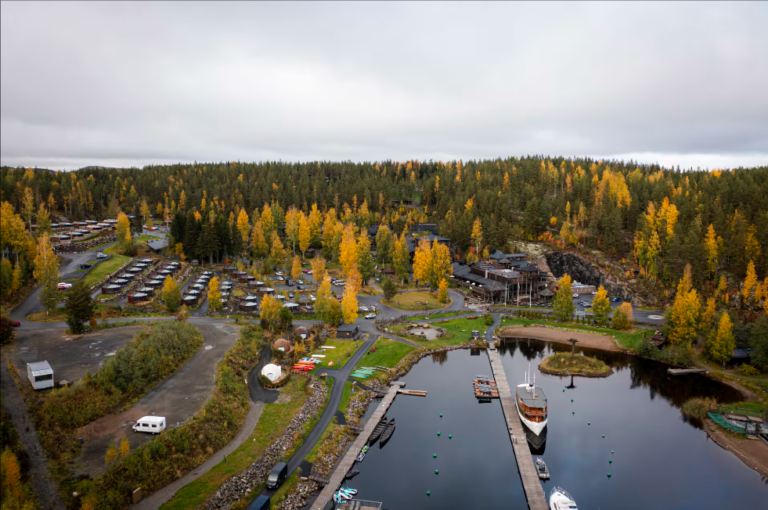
x=541, y=469
x=559, y=499
x=351, y=474
x=377, y=430
x=360, y=457
x=531, y=403
x=387, y=433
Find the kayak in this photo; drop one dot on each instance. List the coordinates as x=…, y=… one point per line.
x=327, y=347
x=318, y=355
x=330, y=364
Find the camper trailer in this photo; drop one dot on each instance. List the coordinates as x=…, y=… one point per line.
x=151, y=424
x=40, y=375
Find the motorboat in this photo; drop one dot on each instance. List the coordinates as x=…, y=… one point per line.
x=559, y=499
x=338, y=496
x=360, y=457
x=541, y=469
x=531, y=403
x=349, y=491
x=351, y=474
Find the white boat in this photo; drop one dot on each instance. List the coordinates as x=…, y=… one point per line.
x=561, y=500
x=318, y=355
x=541, y=469
x=531, y=403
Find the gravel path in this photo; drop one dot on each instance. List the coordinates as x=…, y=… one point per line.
x=45, y=488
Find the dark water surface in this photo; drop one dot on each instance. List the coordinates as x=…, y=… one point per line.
x=661, y=460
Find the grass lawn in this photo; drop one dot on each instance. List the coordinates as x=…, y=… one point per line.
x=388, y=353
x=238, y=292
x=459, y=331
x=327, y=432
x=629, y=339
x=441, y=315
x=52, y=317
x=272, y=423
x=145, y=237
x=344, y=350
x=414, y=301
x=109, y=266
x=345, y=395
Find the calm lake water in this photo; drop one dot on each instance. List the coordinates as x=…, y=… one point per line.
x=661, y=460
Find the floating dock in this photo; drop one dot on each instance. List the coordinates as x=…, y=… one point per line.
x=685, y=371
x=343, y=467
x=528, y=472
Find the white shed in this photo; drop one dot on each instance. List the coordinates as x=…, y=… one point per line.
x=271, y=372
x=40, y=375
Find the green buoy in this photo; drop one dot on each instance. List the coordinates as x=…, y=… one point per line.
x=427, y=493
x=589, y=423
x=437, y=471
x=603, y=436
x=450, y=436
x=611, y=451
x=441, y=415
x=438, y=432
x=610, y=461
x=574, y=412
x=434, y=455
x=563, y=390
x=571, y=400
x=609, y=475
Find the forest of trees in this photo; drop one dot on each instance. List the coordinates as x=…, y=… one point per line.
x=662, y=218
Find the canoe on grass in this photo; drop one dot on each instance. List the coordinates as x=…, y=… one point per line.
x=327, y=347
x=360, y=376
x=387, y=433
x=318, y=355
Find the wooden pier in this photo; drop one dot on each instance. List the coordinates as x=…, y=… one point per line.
x=685, y=371
x=534, y=493
x=337, y=478
x=415, y=393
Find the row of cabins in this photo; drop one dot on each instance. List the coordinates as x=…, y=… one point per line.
x=196, y=290
x=118, y=282
x=65, y=233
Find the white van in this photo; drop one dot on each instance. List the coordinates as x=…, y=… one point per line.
x=151, y=424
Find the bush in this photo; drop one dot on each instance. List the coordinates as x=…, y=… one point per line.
x=698, y=406
x=75, y=326
x=749, y=370
x=7, y=333
x=488, y=319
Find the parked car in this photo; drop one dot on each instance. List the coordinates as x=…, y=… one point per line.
x=16, y=324
x=150, y=424
x=309, y=271
x=280, y=279
x=85, y=266
x=64, y=286
x=279, y=273
x=300, y=287
x=575, y=295
x=363, y=309
x=278, y=475
x=289, y=282
x=101, y=255
x=306, y=271
x=616, y=300
x=370, y=316
x=594, y=293
x=300, y=282
x=290, y=295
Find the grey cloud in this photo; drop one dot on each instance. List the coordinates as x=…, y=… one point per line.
x=121, y=83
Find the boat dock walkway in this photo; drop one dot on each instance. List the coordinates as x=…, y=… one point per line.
x=534, y=493
x=337, y=478
x=685, y=371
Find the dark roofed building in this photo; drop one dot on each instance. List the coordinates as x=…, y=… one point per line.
x=347, y=331
x=157, y=246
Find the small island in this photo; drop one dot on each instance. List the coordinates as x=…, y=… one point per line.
x=567, y=364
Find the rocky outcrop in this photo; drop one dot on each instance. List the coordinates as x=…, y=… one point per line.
x=583, y=271
x=241, y=485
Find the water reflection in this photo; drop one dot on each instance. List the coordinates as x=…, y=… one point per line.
x=439, y=357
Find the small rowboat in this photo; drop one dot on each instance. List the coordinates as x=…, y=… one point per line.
x=377, y=430
x=541, y=469
x=360, y=457
x=351, y=474
x=327, y=347
x=387, y=433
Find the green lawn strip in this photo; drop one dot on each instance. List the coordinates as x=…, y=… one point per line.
x=345, y=395
x=628, y=339
x=109, y=266
x=145, y=237
x=458, y=331
x=272, y=422
x=414, y=301
x=437, y=316
x=344, y=350
x=284, y=490
x=313, y=453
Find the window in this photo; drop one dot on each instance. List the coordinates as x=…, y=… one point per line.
x=46, y=377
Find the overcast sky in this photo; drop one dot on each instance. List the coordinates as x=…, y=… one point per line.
x=139, y=83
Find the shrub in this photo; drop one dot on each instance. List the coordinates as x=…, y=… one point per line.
x=698, y=406
x=749, y=370
x=7, y=333
x=488, y=319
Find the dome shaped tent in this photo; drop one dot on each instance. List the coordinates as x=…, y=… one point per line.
x=271, y=372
